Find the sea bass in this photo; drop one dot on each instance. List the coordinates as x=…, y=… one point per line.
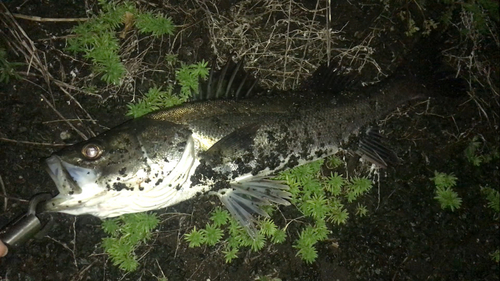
x=227, y=141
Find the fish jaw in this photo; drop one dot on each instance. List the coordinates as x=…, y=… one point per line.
x=75, y=185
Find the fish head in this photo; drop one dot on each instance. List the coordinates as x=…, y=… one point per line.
x=100, y=176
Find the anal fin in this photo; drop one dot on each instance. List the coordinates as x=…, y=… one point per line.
x=373, y=149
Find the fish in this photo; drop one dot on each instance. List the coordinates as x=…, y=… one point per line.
x=229, y=140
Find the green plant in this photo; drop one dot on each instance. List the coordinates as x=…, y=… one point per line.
x=361, y=210
x=334, y=184
x=154, y=99
x=7, y=69
x=187, y=76
x=126, y=234
x=305, y=244
x=319, y=198
x=157, y=25
x=357, y=187
x=476, y=155
x=338, y=214
x=333, y=162
x=212, y=234
x=220, y=217
x=230, y=254
x=495, y=255
x=442, y=180
x=446, y=196
x=195, y=238
x=493, y=197
x=96, y=38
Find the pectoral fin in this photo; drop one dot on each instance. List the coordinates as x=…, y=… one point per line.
x=248, y=195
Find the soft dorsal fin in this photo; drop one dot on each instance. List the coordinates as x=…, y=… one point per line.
x=230, y=82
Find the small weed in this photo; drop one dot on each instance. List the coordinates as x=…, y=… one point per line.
x=157, y=25
x=155, y=99
x=476, y=155
x=361, y=210
x=212, y=234
x=230, y=254
x=319, y=198
x=195, y=238
x=446, y=196
x=7, y=69
x=97, y=40
x=442, y=180
x=334, y=184
x=333, y=162
x=493, y=197
x=220, y=217
x=187, y=76
x=126, y=234
x=495, y=256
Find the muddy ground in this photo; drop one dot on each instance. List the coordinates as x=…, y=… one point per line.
x=406, y=236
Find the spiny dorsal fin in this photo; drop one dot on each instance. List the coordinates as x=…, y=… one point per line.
x=231, y=82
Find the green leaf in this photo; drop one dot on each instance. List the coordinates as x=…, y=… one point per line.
x=157, y=25
x=279, y=236
x=308, y=253
x=334, y=184
x=230, y=254
x=267, y=227
x=195, y=238
x=212, y=234
x=448, y=198
x=219, y=216
x=493, y=197
x=258, y=242
x=442, y=180
x=361, y=210
x=317, y=207
x=129, y=263
x=110, y=226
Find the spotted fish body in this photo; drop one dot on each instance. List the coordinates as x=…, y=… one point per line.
x=226, y=146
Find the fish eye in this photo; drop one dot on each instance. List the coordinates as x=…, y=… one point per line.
x=91, y=151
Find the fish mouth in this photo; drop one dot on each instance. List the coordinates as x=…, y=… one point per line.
x=69, y=180
x=61, y=176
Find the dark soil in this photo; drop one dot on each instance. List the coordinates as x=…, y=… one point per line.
x=406, y=236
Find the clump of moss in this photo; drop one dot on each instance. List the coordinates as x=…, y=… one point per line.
x=445, y=194
x=320, y=199
x=126, y=233
x=97, y=38
x=187, y=76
